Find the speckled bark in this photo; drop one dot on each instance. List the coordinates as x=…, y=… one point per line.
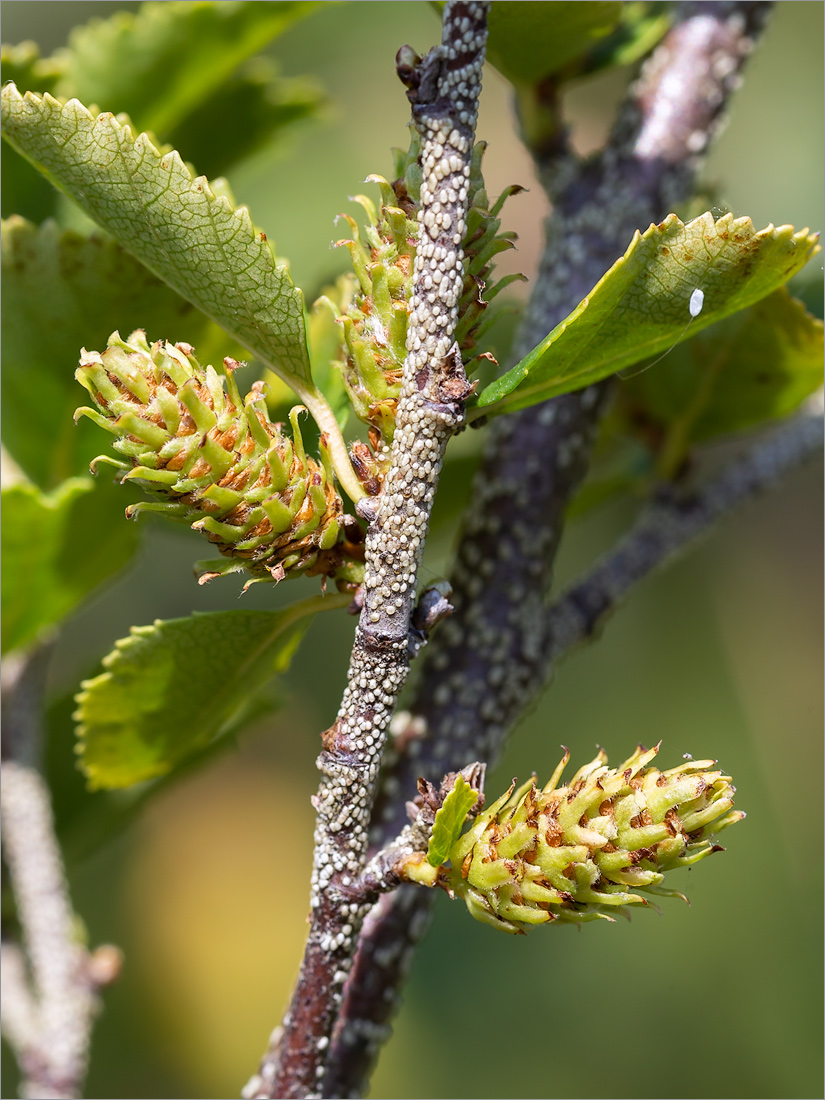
x=443, y=90
x=487, y=663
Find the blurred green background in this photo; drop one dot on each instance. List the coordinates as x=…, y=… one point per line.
x=206, y=893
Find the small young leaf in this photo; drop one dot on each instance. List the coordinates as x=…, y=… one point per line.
x=449, y=820
x=169, y=689
x=62, y=291
x=149, y=201
x=640, y=308
x=757, y=365
x=57, y=547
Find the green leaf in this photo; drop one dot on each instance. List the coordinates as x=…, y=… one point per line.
x=28, y=70
x=161, y=63
x=268, y=104
x=449, y=821
x=57, y=547
x=24, y=190
x=86, y=820
x=62, y=291
x=809, y=288
x=528, y=41
x=193, y=240
x=169, y=689
x=639, y=29
x=640, y=307
x=755, y=366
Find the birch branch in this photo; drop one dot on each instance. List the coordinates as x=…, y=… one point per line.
x=443, y=90
x=673, y=524
x=486, y=663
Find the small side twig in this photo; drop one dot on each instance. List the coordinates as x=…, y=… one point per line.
x=50, y=983
x=443, y=90
x=391, y=865
x=673, y=523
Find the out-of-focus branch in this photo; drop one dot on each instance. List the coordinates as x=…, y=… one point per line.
x=50, y=984
x=673, y=523
x=487, y=662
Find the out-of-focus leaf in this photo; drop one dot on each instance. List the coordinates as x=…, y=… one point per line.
x=449, y=820
x=57, y=547
x=639, y=29
x=28, y=70
x=530, y=41
x=251, y=109
x=810, y=290
x=757, y=365
x=169, y=689
x=162, y=62
x=62, y=291
x=640, y=308
x=196, y=242
x=86, y=820
x=24, y=190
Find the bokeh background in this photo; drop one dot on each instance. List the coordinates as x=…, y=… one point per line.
x=206, y=892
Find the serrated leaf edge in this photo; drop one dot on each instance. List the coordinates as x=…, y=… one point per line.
x=286, y=618
x=672, y=223
x=143, y=142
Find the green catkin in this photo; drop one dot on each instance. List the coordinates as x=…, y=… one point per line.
x=217, y=462
x=592, y=848
x=374, y=319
